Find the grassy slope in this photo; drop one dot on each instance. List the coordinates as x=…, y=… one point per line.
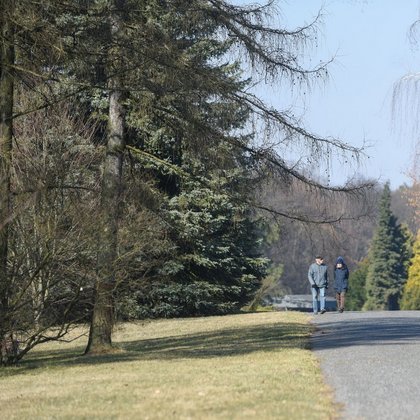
x=233, y=367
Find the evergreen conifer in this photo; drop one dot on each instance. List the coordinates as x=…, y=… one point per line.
x=388, y=256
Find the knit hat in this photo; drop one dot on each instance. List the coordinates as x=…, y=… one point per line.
x=340, y=260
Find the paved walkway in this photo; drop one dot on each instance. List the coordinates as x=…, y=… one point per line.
x=372, y=361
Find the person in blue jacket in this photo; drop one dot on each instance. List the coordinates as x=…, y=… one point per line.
x=318, y=279
x=341, y=282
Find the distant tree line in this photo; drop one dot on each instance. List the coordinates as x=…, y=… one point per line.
x=296, y=244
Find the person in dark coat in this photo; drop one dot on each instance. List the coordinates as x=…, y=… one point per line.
x=341, y=282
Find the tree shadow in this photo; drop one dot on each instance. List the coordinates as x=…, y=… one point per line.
x=214, y=344
x=366, y=331
x=223, y=343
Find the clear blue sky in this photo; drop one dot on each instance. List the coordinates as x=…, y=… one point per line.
x=370, y=42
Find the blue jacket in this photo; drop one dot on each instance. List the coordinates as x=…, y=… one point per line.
x=341, y=278
x=318, y=275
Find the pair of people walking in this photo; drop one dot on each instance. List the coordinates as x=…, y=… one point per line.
x=318, y=278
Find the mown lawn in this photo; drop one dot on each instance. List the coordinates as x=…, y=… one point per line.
x=233, y=367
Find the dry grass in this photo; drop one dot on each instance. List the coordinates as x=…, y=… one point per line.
x=234, y=367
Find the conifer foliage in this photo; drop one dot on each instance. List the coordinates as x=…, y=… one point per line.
x=389, y=256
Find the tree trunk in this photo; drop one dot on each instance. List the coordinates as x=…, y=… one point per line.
x=103, y=312
x=6, y=114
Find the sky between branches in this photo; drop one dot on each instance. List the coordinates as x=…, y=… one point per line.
x=371, y=45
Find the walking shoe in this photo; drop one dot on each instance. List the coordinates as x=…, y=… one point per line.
x=341, y=310
x=323, y=311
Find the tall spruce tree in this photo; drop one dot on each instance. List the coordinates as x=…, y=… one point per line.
x=388, y=258
x=176, y=60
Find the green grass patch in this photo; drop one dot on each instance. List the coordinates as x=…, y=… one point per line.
x=246, y=366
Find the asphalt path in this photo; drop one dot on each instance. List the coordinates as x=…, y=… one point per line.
x=372, y=362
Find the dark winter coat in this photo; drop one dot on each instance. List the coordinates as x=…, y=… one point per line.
x=318, y=275
x=341, y=279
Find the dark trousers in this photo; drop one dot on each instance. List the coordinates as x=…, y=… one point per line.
x=340, y=298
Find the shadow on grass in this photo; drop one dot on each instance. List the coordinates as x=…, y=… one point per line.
x=215, y=344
